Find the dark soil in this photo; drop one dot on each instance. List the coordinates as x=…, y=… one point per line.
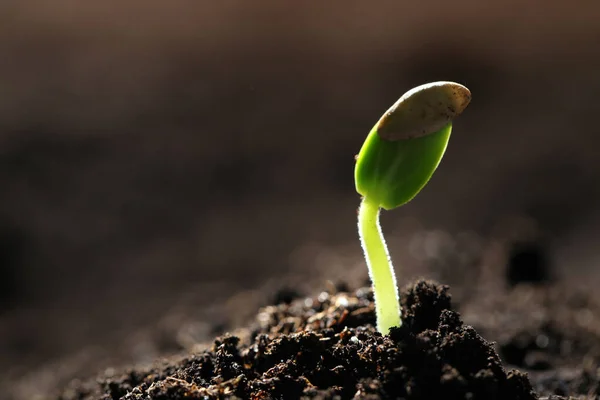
x=326, y=348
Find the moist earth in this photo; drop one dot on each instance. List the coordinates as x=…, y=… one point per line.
x=327, y=348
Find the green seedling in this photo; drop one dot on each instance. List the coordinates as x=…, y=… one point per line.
x=396, y=161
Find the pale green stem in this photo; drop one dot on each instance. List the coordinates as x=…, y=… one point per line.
x=381, y=271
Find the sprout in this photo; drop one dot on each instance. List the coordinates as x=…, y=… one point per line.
x=398, y=158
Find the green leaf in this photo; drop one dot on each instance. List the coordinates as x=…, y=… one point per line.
x=393, y=173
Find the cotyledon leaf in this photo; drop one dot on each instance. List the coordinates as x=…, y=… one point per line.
x=404, y=148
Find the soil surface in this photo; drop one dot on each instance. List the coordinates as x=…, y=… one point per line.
x=327, y=348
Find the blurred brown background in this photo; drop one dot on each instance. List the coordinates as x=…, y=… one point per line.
x=166, y=166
